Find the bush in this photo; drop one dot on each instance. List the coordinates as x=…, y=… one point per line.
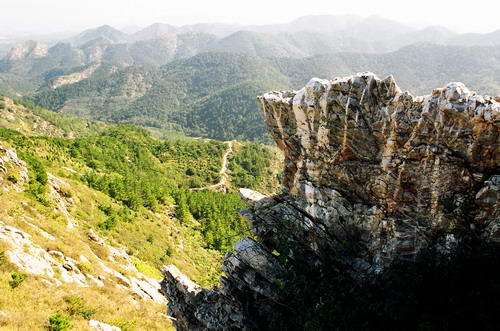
x=17, y=279
x=249, y=164
x=85, y=267
x=76, y=307
x=38, y=178
x=59, y=322
x=13, y=179
x=217, y=213
x=109, y=223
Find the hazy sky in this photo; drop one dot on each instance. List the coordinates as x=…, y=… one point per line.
x=59, y=15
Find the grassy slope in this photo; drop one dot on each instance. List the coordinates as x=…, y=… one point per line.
x=154, y=234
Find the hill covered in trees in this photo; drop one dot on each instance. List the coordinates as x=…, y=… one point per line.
x=213, y=94
x=202, y=79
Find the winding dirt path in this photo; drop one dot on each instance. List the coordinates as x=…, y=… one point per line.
x=223, y=183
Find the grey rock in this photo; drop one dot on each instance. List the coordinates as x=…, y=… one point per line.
x=370, y=174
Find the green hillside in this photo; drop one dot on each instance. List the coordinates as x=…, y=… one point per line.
x=144, y=196
x=213, y=94
x=208, y=95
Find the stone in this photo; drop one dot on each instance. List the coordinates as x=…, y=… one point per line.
x=95, y=238
x=24, y=254
x=11, y=166
x=148, y=289
x=57, y=192
x=374, y=180
x=101, y=326
x=33, y=259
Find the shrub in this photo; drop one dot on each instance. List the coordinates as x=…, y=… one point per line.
x=76, y=307
x=109, y=223
x=59, y=322
x=17, y=279
x=13, y=179
x=248, y=165
x=147, y=269
x=124, y=324
x=85, y=267
x=217, y=213
x=38, y=178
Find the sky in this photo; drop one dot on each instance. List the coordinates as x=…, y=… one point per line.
x=48, y=16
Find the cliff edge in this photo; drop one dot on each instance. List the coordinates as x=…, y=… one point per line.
x=389, y=216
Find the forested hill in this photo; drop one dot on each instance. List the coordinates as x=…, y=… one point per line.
x=417, y=68
x=202, y=79
x=213, y=94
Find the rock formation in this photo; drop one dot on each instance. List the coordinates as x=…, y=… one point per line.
x=74, y=77
x=28, y=49
x=389, y=215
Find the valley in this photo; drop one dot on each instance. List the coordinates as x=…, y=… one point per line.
x=246, y=176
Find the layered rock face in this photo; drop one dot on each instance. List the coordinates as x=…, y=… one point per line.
x=390, y=207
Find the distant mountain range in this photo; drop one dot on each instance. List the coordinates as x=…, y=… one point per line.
x=202, y=79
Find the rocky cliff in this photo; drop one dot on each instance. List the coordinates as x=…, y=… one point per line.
x=28, y=49
x=389, y=216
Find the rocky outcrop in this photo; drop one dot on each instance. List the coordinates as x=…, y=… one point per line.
x=32, y=259
x=17, y=117
x=390, y=210
x=56, y=269
x=29, y=49
x=101, y=326
x=59, y=194
x=74, y=77
x=13, y=170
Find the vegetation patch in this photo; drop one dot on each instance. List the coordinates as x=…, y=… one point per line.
x=76, y=306
x=59, y=322
x=17, y=279
x=37, y=185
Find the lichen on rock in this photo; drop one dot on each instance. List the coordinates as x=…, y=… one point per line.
x=389, y=202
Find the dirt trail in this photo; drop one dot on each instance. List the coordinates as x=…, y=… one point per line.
x=223, y=183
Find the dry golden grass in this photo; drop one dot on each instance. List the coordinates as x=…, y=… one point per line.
x=148, y=238
x=29, y=306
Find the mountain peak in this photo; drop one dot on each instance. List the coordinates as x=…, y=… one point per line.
x=104, y=31
x=154, y=31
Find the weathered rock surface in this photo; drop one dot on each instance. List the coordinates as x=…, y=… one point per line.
x=32, y=259
x=57, y=268
x=101, y=326
x=74, y=77
x=17, y=117
x=386, y=196
x=13, y=170
x=58, y=192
